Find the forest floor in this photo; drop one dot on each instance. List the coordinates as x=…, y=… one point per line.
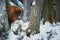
x=47, y=31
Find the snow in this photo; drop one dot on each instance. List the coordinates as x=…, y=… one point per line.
x=25, y=26
x=47, y=31
x=20, y=4
x=12, y=36
x=16, y=24
x=11, y=3
x=34, y=2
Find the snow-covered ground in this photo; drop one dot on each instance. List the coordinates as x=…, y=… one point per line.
x=47, y=31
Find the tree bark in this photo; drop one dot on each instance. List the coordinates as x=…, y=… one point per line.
x=3, y=20
x=5, y=17
x=57, y=10
x=48, y=10
x=34, y=18
x=25, y=11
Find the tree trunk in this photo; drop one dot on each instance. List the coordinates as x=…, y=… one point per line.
x=29, y=3
x=48, y=10
x=5, y=17
x=34, y=18
x=4, y=27
x=57, y=10
x=25, y=11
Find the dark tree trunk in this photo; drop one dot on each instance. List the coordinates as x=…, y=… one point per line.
x=57, y=10
x=48, y=10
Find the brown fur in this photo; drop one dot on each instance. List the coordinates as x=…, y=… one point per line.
x=11, y=12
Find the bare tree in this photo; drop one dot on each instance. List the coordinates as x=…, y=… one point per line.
x=3, y=11
x=34, y=17
x=25, y=11
x=4, y=25
x=57, y=10
x=48, y=10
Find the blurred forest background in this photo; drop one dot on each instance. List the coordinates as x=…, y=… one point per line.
x=33, y=11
